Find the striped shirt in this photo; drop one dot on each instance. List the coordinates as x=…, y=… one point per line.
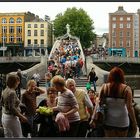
x=66, y=102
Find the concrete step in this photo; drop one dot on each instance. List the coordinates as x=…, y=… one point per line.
x=80, y=82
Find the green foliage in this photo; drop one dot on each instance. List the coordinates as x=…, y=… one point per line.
x=81, y=25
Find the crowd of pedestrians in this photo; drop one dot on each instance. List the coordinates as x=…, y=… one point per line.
x=71, y=110
x=68, y=111
x=66, y=60
x=98, y=52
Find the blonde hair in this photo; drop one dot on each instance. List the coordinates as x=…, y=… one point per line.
x=70, y=81
x=30, y=83
x=58, y=80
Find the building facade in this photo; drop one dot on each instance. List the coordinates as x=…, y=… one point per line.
x=12, y=30
x=37, y=35
x=122, y=32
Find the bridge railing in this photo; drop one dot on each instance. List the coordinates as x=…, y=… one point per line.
x=117, y=59
x=19, y=59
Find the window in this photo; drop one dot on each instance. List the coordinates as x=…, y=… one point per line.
x=29, y=25
x=121, y=43
x=114, y=25
x=19, y=29
x=29, y=33
x=113, y=33
x=19, y=39
x=35, y=32
x=42, y=26
x=128, y=18
x=128, y=25
x=11, y=39
x=11, y=29
x=121, y=34
x=19, y=20
x=114, y=18
x=121, y=18
x=5, y=39
x=29, y=41
x=4, y=20
x=42, y=42
x=128, y=43
x=114, y=44
x=4, y=29
x=136, y=43
x=35, y=25
x=128, y=34
x=121, y=25
x=42, y=33
x=11, y=20
x=35, y=41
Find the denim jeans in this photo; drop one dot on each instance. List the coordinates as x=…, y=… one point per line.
x=33, y=126
x=94, y=85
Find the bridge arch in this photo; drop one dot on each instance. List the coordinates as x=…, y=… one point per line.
x=68, y=36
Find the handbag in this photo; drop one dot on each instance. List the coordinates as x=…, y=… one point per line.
x=98, y=117
x=88, y=86
x=96, y=78
x=99, y=114
x=38, y=118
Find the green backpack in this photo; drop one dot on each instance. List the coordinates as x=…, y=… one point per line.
x=88, y=86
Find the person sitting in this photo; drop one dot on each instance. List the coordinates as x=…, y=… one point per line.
x=48, y=127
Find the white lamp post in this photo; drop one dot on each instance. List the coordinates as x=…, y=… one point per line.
x=3, y=48
x=112, y=40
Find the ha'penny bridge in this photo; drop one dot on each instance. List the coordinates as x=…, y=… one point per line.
x=39, y=63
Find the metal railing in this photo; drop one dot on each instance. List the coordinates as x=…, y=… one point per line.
x=117, y=59
x=20, y=59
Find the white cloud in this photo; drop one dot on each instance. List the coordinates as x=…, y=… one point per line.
x=98, y=11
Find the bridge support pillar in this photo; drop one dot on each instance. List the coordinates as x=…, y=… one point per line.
x=24, y=53
x=40, y=51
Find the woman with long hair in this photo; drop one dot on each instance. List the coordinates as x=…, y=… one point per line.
x=117, y=96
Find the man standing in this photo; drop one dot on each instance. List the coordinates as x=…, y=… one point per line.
x=92, y=78
x=84, y=102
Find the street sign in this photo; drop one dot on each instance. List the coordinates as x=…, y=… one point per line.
x=3, y=48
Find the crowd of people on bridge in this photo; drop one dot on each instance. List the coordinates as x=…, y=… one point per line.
x=66, y=60
x=66, y=110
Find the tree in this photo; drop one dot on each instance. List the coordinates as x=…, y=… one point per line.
x=81, y=25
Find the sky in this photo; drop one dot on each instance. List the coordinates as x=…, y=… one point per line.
x=98, y=11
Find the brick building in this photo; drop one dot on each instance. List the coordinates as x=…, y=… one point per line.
x=124, y=32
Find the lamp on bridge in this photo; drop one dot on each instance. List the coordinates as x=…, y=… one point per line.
x=3, y=48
